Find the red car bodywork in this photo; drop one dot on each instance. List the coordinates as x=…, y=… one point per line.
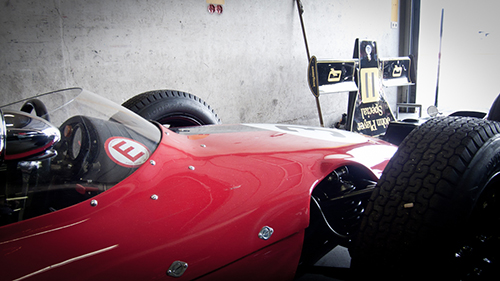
x=201, y=198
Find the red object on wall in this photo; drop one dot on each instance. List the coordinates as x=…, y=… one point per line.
x=211, y=8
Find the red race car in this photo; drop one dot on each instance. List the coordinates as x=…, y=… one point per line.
x=91, y=190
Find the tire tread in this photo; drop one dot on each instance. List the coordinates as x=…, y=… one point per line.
x=139, y=102
x=424, y=172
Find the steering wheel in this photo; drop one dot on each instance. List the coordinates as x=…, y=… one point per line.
x=38, y=106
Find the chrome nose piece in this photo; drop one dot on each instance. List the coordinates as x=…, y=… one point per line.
x=3, y=136
x=24, y=135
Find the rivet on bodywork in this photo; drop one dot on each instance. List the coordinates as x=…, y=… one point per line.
x=93, y=203
x=152, y=162
x=266, y=232
x=191, y=168
x=177, y=269
x=203, y=145
x=154, y=197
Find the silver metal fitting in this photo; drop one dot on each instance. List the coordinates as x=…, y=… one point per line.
x=177, y=269
x=266, y=232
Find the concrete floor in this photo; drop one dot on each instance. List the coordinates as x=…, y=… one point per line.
x=332, y=267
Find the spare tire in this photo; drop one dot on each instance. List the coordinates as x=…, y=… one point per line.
x=435, y=212
x=175, y=108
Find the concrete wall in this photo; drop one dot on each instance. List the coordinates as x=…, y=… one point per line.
x=249, y=63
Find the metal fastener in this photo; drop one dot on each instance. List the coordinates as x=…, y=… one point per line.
x=152, y=162
x=93, y=203
x=203, y=145
x=266, y=232
x=191, y=168
x=154, y=197
x=177, y=269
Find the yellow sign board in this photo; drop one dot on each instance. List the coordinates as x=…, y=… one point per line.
x=215, y=2
x=370, y=84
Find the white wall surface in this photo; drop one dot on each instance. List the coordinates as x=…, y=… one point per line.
x=469, y=71
x=249, y=63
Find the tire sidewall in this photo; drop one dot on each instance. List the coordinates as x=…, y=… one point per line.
x=483, y=166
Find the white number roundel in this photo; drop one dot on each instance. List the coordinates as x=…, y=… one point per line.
x=126, y=152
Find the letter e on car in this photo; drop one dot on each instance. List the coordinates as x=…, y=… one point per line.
x=126, y=152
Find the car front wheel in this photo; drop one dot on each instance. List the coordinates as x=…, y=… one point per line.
x=435, y=212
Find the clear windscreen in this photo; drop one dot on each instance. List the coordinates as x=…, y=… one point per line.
x=100, y=143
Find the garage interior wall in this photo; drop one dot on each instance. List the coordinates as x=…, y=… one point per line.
x=469, y=55
x=249, y=63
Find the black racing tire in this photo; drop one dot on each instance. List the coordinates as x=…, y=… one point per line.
x=435, y=212
x=494, y=113
x=177, y=109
